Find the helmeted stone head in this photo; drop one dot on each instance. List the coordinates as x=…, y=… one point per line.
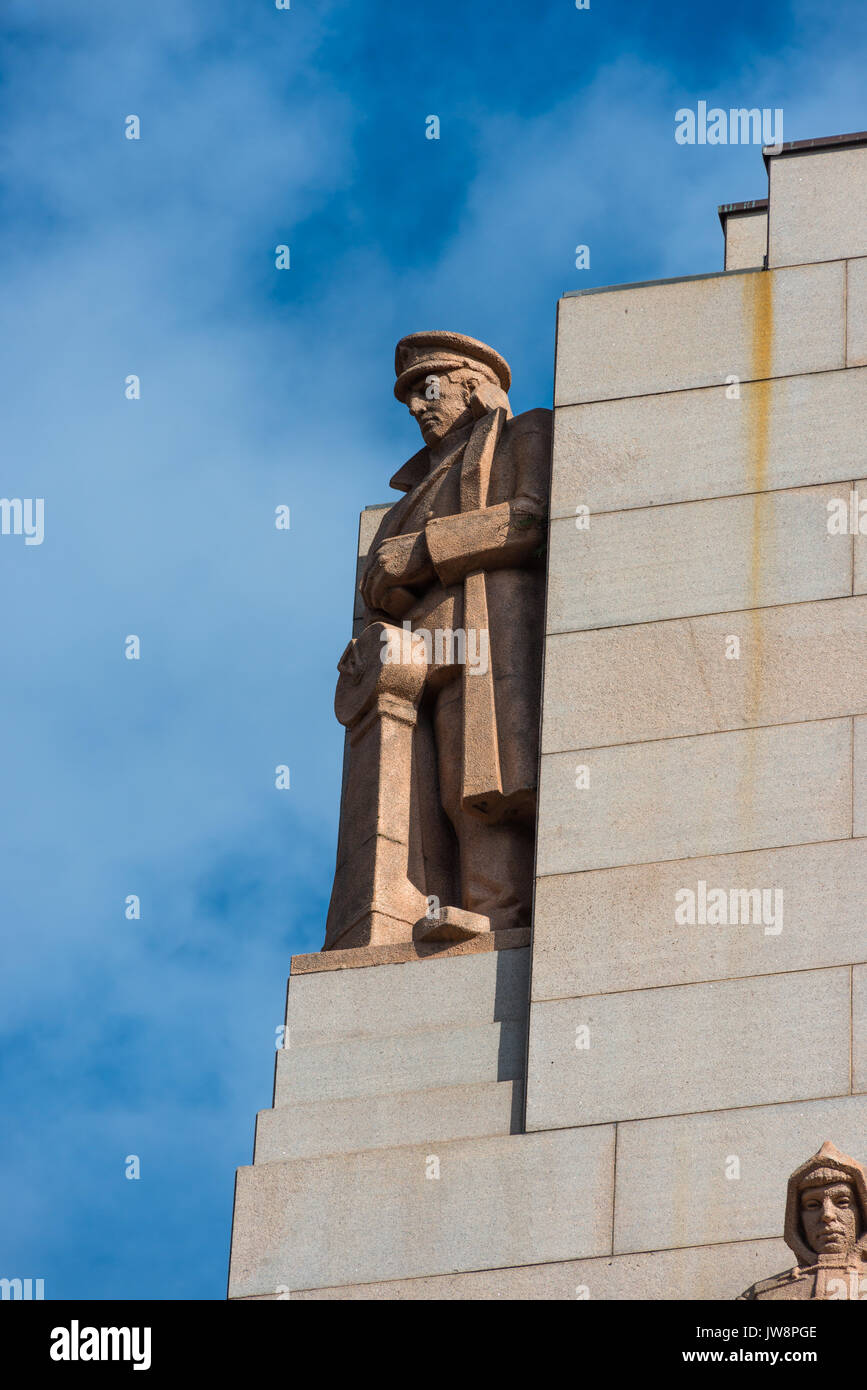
x=826, y=1208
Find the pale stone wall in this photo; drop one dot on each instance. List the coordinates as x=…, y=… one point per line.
x=818, y=204
x=703, y=1273
x=745, y=227
x=711, y=1049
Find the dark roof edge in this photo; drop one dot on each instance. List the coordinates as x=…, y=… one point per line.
x=823, y=142
x=651, y=284
x=752, y=205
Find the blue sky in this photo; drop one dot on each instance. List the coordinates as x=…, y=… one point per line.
x=261, y=387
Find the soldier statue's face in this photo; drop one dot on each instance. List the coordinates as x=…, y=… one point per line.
x=830, y=1218
x=437, y=404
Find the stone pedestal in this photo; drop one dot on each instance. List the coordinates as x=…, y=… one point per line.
x=376, y=898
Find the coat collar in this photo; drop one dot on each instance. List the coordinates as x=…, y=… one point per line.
x=416, y=469
x=411, y=473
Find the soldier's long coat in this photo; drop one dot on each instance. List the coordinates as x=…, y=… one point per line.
x=505, y=539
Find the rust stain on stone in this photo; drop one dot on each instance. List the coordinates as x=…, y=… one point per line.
x=761, y=311
x=760, y=316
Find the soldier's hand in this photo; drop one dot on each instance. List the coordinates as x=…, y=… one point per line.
x=397, y=562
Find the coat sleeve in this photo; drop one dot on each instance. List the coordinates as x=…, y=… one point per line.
x=505, y=535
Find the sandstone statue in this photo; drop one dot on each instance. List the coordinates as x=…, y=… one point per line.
x=826, y=1228
x=440, y=691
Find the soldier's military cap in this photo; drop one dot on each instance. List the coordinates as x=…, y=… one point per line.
x=425, y=354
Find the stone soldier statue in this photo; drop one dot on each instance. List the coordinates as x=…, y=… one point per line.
x=440, y=691
x=826, y=1228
